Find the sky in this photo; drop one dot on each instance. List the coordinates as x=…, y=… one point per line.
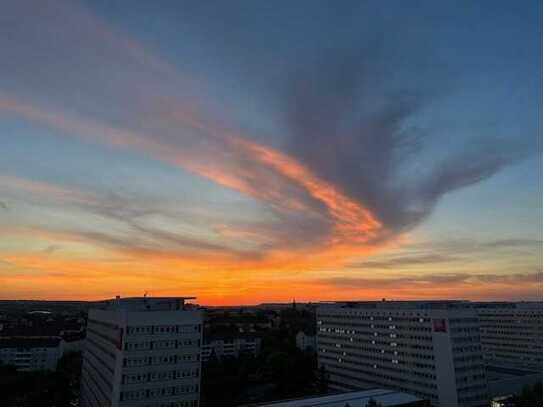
x=249, y=151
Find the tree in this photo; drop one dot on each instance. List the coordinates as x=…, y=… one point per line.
x=372, y=403
x=531, y=396
x=322, y=380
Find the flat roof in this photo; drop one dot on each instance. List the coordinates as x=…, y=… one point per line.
x=386, y=398
x=139, y=304
x=418, y=304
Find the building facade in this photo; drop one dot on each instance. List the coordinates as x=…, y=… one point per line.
x=306, y=342
x=512, y=333
x=30, y=353
x=430, y=349
x=142, y=352
x=230, y=346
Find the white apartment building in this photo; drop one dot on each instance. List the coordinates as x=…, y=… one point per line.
x=142, y=352
x=512, y=333
x=30, y=353
x=230, y=346
x=431, y=349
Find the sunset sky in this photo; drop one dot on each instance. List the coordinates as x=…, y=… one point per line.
x=259, y=151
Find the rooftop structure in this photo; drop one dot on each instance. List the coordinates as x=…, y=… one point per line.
x=385, y=398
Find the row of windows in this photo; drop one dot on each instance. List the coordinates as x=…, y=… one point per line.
x=162, y=329
x=375, y=341
x=146, y=394
x=377, y=349
x=380, y=376
x=159, y=360
x=159, y=376
x=382, y=364
x=161, y=344
x=188, y=403
x=363, y=317
x=426, y=338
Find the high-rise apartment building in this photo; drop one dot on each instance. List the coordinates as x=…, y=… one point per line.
x=428, y=348
x=142, y=352
x=512, y=333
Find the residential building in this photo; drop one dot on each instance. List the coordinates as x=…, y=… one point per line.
x=30, y=353
x=512, y=333
x=431, y=349
x=230, y=345
x=142, y=352
x=306, y=342
x=504, y=381
x=383, y=398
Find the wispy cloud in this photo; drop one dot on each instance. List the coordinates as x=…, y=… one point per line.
x=336, y=180
x=435, y=280
x=402, y=261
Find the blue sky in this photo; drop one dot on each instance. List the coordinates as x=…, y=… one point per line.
x=250, y=151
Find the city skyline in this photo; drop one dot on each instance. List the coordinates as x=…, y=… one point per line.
x=249, y=153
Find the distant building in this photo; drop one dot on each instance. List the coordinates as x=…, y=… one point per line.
x=142, y=352
x=428, y=348
x=384, y=398
x=30, y=353
x=230, y=345
x=512, y=333
x=504, y=381
x=306, y=342
x=504, y=401
x=72, y=341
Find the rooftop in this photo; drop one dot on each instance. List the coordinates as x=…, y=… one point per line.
x=386, y=398
x=144, y=303
x=385, y=304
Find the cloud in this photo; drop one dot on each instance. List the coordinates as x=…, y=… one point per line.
x=351, y=126
x=402, y=261
x=434, y=281
x=336, y=186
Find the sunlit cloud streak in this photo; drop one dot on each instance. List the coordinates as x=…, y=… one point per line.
x=179, y=136
x=338, y=184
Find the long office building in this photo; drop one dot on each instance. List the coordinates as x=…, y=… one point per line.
x=142, y=352
x=431, y=349
x=512, y=333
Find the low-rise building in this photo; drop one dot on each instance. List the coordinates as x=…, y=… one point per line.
x=231, y=345
x=30, y=353
x=306, y=342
